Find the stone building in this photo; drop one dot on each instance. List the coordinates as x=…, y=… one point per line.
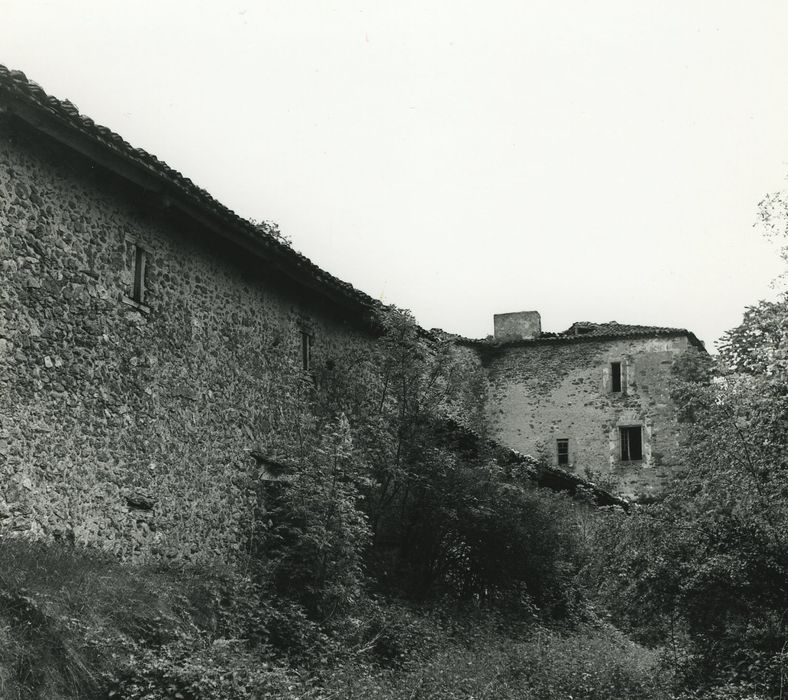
x=149, y=336
x=594, y=399
x=146, y=335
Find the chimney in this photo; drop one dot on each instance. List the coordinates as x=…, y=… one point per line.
x=521, y=325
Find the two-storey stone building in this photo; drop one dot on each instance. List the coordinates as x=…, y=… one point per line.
x=149, y=337
x=594, y=399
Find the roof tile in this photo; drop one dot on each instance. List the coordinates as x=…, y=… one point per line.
x=585, y=330
x=17, y=84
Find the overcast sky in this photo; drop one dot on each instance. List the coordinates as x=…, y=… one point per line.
x=591, y=160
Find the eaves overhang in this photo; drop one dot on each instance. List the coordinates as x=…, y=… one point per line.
x=61, y=121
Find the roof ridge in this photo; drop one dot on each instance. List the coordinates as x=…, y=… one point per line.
x=65, y=111
x=599, y=334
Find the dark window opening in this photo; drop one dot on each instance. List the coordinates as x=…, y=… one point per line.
x=138, y=288
x=631, y=444
x=615, y=376
x=306, y=351
x=562, y=445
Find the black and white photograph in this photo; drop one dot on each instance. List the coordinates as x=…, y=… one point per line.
x=369, y=350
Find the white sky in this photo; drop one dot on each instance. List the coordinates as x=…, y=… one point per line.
x=592, y=160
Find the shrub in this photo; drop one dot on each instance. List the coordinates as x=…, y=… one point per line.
x=318, y=532
x=594, y=664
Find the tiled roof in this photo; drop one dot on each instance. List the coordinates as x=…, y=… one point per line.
x=581, y=331
x=618, y=330
x=62, y=116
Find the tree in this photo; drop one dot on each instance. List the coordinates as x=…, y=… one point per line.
x=707, y=568
x=318, y=530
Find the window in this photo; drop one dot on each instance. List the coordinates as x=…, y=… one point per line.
x=615, y=377
x=631, y=443
x=306, y=351
x=138, y=279
x=136, y=276
x=562, y=448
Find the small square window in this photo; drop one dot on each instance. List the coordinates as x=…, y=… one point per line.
x=615, y=377
x=306, y=351
x=139, y=264
x=631, y=443
x=562, y=449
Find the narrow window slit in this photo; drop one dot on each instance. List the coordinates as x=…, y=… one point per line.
x=138, y=289
x=615, y=376
x=306, y=351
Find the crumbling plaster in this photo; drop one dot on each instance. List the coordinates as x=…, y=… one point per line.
x=542, y=391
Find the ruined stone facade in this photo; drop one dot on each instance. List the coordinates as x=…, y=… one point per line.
x=143, y=356
x=149, y=338
x=594, y=400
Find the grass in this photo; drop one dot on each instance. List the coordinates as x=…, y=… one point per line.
x=69, y=617
x=76, y=624
x=590, y=664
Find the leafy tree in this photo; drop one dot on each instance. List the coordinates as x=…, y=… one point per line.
x=318, y=531
x=389, y=477
x=773, y=219
x=705, y=571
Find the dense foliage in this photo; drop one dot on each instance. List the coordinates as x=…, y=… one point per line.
x=385, y=495
x=75, y=624
x=392, y=555
x=705, y=571
x=386, y=544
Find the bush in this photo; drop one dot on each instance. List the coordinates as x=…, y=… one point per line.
x=704, y=570
x=318, y=532
x=77, y=624
x=594, y=664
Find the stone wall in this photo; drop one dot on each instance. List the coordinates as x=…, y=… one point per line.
x=519, y=325
x=130, y=425
x=127, y=426
x=544, y=391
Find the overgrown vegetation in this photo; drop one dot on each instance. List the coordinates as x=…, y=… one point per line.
x=390, y=558
x=395, y=559
x=704, y=572
x=77, y=625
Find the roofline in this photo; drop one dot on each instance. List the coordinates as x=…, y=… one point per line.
x=61, y=121
x=556, y=338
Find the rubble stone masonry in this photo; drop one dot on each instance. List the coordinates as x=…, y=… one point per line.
x=128, y=425
x=156, y=353
x=541, y=392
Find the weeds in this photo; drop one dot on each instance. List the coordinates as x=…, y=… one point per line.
x=75, y=624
